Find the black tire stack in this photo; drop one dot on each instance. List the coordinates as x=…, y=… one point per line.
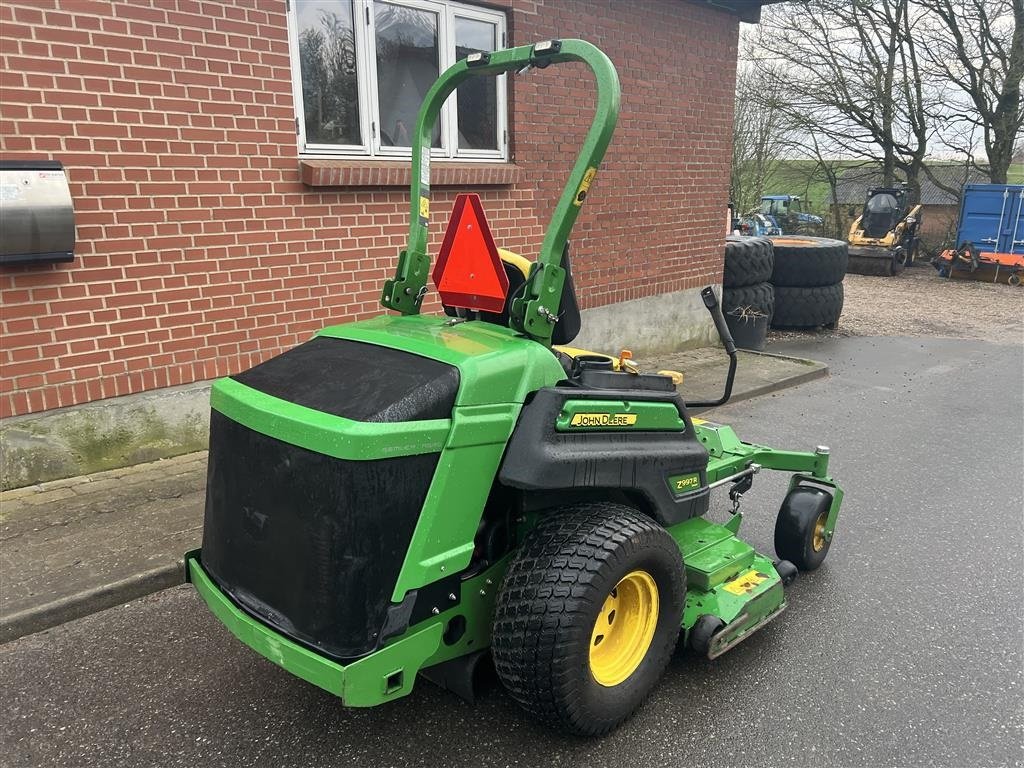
x=808, y=277
x=746, y=280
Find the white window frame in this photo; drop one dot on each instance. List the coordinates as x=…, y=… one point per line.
x=366, y=76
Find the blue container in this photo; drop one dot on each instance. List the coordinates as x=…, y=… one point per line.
x=992, y=217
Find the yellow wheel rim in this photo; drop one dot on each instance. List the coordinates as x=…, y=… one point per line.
x=818, y=542
x=624, y=628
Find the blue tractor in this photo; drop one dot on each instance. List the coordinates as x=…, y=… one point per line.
x=788, y=215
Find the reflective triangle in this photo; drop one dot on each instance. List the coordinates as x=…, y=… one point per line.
x=469, y=272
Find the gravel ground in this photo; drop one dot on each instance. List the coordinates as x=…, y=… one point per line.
x=920, y=303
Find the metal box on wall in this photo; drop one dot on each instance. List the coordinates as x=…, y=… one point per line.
x=37, y=220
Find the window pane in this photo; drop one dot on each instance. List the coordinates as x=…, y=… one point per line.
x=407, y=65
x=327, y=61
x=477, y=97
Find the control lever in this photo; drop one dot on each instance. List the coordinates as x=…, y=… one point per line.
x=711, y=302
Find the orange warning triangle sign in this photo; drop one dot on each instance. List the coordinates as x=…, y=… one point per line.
x=469, y=272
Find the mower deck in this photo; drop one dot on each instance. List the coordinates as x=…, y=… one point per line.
x=728, y=579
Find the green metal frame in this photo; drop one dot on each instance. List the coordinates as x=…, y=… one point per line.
x=716, y=559
x=387, y=674
x=536, y=312
x=729, y=455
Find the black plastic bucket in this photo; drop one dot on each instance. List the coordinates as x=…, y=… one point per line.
x=748, y=332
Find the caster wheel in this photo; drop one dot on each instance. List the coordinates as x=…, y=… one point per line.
x=787, y=572
x=703, y=631
x=800, y=528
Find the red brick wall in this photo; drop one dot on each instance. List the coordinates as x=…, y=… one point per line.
x=655, y=218
x=200, y=252
x=938, y=226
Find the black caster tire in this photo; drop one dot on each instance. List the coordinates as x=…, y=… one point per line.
x=787, y=572
x=588, y=616
x=800, y=527
x=703, y=631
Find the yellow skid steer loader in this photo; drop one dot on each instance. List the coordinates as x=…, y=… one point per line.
x=884, y=239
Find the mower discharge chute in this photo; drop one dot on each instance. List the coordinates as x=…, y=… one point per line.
x=414, y=494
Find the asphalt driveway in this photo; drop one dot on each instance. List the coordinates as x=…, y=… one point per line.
x=904, y=649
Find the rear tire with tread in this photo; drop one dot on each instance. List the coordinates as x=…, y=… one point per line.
x=551, y=597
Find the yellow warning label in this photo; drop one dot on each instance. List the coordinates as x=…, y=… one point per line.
x=424, y=207
x=581, y=192
x=745, y=582
x=705, y=423
x=603, y=420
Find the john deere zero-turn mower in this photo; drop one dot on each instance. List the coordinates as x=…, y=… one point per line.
x=410, y=494
x=885, y=238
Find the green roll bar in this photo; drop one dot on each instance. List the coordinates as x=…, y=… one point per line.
x=535, y=312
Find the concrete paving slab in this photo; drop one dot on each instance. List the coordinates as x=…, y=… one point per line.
x=76, y=546
x=99, y=543
x=757, y=373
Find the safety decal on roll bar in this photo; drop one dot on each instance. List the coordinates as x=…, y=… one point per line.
x=584, y=187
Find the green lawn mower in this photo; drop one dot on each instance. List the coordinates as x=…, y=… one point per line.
x=416, y=494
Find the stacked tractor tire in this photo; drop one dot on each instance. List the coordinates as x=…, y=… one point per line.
x=746, y=282
x=808, y=279
x=796, y=281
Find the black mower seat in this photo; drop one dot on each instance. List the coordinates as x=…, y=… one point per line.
x=517, y=268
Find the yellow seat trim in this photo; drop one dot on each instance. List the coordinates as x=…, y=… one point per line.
x=522, y=263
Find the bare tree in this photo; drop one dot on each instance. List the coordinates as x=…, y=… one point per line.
x=853, y=74
x=827, y=167
x=759, y=133
x=977, y=48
